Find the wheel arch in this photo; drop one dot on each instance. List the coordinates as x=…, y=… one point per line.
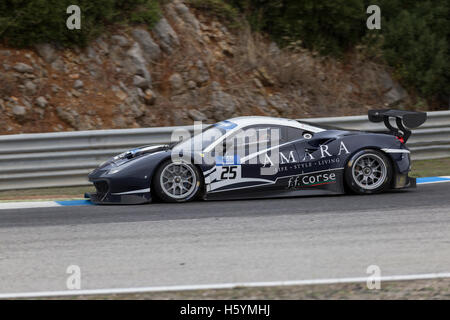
x=366, y=148
x=162, y=161
x=377, y=148
x=152, y=175
x=202, y=177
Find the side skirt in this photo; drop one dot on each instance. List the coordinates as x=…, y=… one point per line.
x=291, y=186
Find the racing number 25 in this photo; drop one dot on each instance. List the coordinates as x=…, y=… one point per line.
x=228, y=172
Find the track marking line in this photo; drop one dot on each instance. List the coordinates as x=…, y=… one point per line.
x=43, y=204
x=74, y=202
x=220, y=286
x=429, y=180
x=83, y=202
x=27, y=205
x=40, y=200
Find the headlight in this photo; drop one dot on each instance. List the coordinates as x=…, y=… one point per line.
x=115, y=170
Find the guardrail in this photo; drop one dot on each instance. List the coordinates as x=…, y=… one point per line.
x=65, y=159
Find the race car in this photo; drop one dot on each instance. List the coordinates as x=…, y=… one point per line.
x=261, y=157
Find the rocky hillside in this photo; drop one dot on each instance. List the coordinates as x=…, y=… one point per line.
x=188, y=67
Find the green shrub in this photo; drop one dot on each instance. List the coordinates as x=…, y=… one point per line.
x=26, y=22
x=219, y=8
x=414, y=35
x=326, y=26
x=148, y=12
x=416, y=43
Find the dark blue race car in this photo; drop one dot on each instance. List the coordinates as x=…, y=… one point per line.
x=259, y=157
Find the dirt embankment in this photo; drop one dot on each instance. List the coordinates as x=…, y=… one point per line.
x=188, y=67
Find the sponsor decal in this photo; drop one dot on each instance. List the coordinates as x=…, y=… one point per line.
x=284, y=158
x=305, y=165
x=228, y=160
x=228, y=167
x=326, y=157
x=230, y=173
x=311, y=180
x=226, y=125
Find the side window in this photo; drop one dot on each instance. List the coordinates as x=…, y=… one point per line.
x=294, y=133
x=265, y=132
x=255, y=137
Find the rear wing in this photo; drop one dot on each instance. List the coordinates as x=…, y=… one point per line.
x=405, y=120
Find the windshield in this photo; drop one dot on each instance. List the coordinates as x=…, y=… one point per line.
x=207, y=136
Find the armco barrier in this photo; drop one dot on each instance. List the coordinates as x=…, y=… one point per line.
x=65, y=159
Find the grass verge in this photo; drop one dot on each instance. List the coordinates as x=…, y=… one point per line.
x=46, y=193
x=431, y=168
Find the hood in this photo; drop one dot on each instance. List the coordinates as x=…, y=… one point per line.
x=132, y=154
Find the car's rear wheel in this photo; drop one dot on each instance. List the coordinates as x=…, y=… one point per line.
x=368, y=171
x=176, y=182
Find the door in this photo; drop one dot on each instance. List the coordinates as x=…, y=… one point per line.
x=243, y=163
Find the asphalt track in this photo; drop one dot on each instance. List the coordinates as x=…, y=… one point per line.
x=403, y=232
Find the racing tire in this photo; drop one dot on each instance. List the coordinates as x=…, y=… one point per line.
x=368, y=172
x=177, y=182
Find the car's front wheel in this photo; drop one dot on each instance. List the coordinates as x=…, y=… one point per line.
x=368, y=171
x=176, y=182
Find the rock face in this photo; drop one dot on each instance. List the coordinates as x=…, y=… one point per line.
x=47, y=52
x=23, y=68
x=393, y=92
x=395, y=95
x=138, y=64
x=19, y=111
x=120, y=40
x=41, y=102
x=189, y=67
x=176, y=83
x=385, y=80
x=140, y=82
x=148, y=45
x=30, y=87
x=197, y=115
x=277, y=102
x=78, y=84
x=191, y=85
x=186, y=15
x=223, y=105
x=167, y=36
x=149, y=97
x=69, y=116
x=202, y=75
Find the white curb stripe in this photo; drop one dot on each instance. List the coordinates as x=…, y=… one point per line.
x=27, y=205
x=43, y=204
x=220, y=286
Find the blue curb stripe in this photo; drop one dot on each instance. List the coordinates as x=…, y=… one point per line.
x=431, y=179
x=75, y=203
